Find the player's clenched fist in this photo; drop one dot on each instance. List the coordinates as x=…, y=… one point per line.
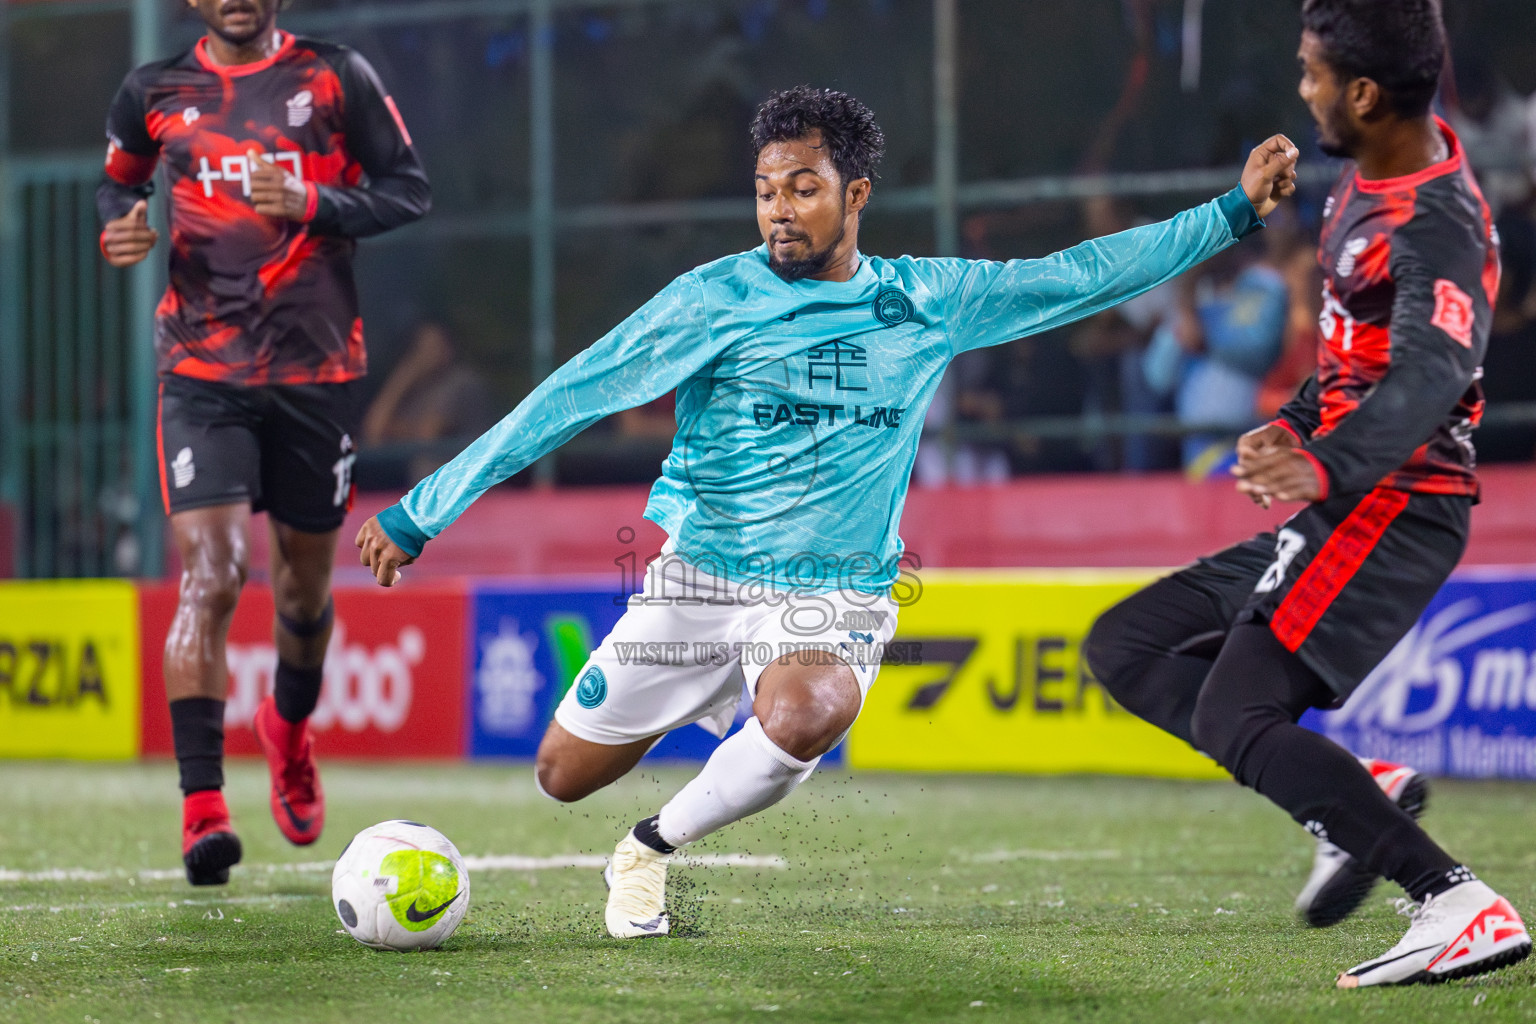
x=1283, y=474
x=1271, y=173
x=1258, y=442
x=380, y=554
x=275, y=191
x=129, y=238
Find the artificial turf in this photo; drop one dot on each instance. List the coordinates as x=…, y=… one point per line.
x=900, y=898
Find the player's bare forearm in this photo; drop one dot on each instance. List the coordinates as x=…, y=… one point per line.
x=1270, y=174
x=382, y=556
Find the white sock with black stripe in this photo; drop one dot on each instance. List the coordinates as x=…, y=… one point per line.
x=746, y=774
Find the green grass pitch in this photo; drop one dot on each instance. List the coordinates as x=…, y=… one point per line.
x=900, y=898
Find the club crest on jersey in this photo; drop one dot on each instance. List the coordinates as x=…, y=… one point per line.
x=190, y=114
x=1351, y=254
x=1453, y=312
x=892, y=307
x=593, y=688
x=301, y=108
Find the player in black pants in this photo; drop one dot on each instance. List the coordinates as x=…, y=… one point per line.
x=277, y=153
x=1230, y=652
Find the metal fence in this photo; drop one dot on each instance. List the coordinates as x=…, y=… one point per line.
x=78, y=456
x=523, y=109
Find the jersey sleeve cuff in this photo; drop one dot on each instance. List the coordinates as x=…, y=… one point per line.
x=1242, y=218
x=401, y=529
x=312, y=203
x=1285, y=425
x=1324, y=488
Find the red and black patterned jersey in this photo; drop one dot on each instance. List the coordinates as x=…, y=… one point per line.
x=255, y=299
x=1410, y=274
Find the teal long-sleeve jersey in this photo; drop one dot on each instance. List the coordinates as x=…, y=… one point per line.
x=800, y=403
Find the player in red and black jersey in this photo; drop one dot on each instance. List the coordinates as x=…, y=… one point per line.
x=277, y=152
x=1229, y=653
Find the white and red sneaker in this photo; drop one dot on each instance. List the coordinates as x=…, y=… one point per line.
x=1339, y=883
x=298, y=802
x=1468, y=929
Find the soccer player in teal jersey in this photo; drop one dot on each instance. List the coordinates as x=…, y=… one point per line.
x=803, y=369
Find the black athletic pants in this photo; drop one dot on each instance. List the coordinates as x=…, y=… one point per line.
x=1188, y=655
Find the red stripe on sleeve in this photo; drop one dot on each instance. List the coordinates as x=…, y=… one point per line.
x=1285, y=425
x=1335, y=565
x=389, y=101
x=127, y=168
x=1324, y=485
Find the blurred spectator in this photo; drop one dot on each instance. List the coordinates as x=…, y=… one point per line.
x=1296, y=256
x=626, y=448
x=1492, y=121
x=1509, y=369
x=966, y=394
x=1225, y=334
x=1110, y=347
x=656, y=420
x=429, y=397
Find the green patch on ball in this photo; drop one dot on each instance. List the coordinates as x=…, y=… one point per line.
x=427, y=884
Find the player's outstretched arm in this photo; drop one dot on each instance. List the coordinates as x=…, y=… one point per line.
x=991, y=303
x=661, y=345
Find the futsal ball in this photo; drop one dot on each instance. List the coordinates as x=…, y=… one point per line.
x=400, y=885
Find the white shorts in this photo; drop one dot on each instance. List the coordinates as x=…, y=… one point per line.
x=689, y=645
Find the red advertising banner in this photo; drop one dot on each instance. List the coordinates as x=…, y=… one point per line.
x=394, y=674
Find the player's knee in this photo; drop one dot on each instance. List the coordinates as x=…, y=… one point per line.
x=213, y=586
x=558, y=783
x=1224, y=729
x=806, y=729
x=1109, y=658
x=302, y=607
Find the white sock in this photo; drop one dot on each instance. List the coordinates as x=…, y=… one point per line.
x=746, y=774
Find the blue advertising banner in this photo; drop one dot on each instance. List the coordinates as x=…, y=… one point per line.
x=1458, y=695
x=530, y=642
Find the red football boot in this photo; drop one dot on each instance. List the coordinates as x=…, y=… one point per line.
x=298, y=803
x=208, y=842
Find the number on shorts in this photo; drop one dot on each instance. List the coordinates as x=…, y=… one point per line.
x=343, y=471
x=1288, y=545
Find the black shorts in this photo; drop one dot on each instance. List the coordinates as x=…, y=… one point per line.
x=1342, y=581
x=284, y=448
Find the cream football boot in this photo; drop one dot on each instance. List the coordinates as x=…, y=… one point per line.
x=637, y=890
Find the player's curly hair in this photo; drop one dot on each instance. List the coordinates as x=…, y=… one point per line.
x=847, y=127
x=1398, y=44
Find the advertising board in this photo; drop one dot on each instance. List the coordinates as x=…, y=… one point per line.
x=1458, y=695
x=69, y=669
x=394, y=672
x=990, y=677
